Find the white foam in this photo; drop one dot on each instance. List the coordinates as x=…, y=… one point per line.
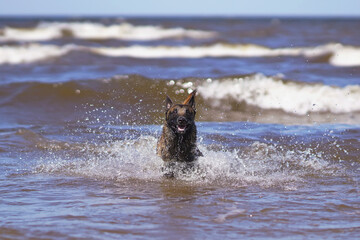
x=89, y=30
x=215, y=50
x=31, y=53
x=24, y=34
x=346, y=57
x=340, y=55
x=292, y=97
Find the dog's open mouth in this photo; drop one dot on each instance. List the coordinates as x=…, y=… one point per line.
x=181, y=128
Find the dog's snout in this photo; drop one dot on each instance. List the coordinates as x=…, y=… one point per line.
x=182, y=120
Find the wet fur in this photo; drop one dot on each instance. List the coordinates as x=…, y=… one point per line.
x=174, y=144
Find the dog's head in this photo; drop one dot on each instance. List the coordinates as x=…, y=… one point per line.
x=181, y=117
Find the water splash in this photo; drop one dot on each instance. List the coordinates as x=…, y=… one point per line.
x=259, y=164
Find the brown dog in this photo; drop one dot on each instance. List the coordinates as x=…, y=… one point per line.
x=178, y=139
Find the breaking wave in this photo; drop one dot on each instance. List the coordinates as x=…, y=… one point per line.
x=32, y=53
x=272, y=93
x=97, y=31
x=231, y=94
x=334, y=54
x=337, y=54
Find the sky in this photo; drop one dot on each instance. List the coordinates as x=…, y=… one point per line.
x=320, y=8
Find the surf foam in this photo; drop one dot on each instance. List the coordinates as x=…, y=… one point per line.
x=32, y=53
x=90, y=30
x=346, y=57
x=338, y=55
x=271, y=93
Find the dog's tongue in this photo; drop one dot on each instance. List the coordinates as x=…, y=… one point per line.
x=181, y=128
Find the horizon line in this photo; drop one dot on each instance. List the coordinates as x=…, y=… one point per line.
x=66, y=15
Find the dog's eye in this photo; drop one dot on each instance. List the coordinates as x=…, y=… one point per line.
x=175, y=110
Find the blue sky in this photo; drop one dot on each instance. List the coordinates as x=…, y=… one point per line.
x=182, y=7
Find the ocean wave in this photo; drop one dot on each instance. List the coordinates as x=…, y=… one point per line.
x=251, y=93
x=32, y=53
x=335, y=54
x=346, y=57
x=273, y=93
x=97, y=31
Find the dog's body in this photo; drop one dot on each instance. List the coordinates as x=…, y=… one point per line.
x=178, y=139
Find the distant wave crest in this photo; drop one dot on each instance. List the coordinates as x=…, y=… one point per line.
x=334, y=54
x=88, y=30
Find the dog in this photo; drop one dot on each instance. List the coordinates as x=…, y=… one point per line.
x=177, y=143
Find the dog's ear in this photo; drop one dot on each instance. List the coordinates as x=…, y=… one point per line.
x=168, y=103
x=190, y=100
